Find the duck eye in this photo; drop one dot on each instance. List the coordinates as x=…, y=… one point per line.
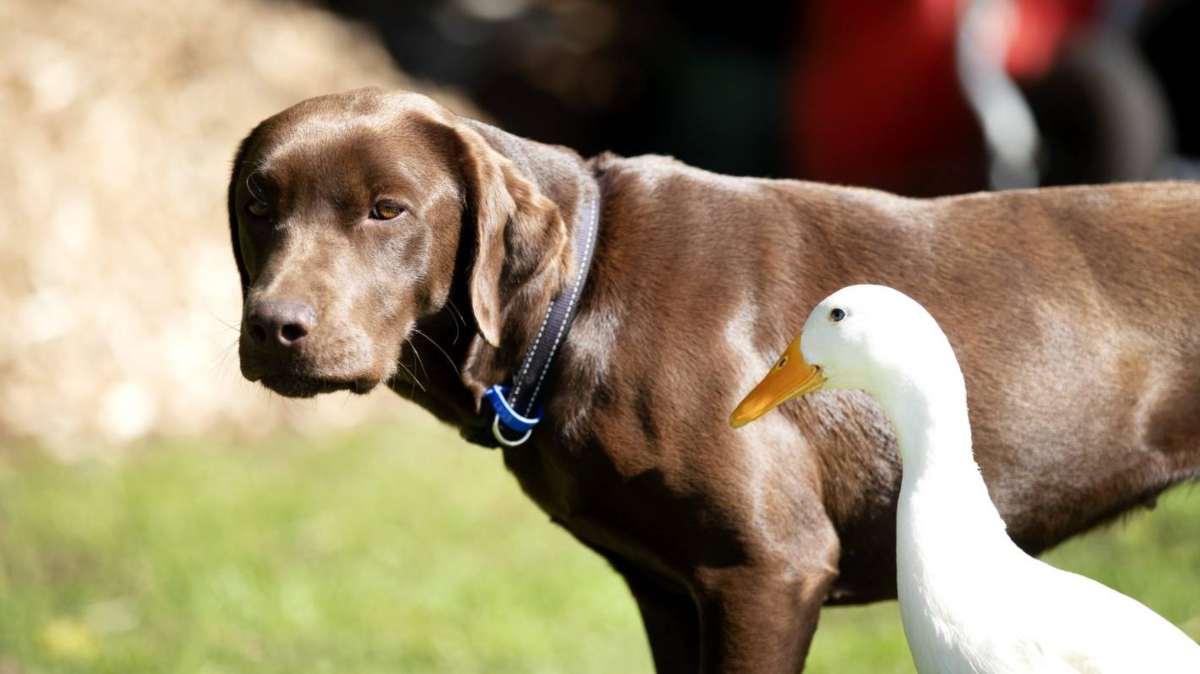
x=386, y=209
x=837, y=315
x=258, y=209
x=783, y=360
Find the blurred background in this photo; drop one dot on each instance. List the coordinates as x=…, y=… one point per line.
x=158, y=513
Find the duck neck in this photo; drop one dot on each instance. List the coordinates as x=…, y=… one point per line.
x=942, y=492
x=932, y=430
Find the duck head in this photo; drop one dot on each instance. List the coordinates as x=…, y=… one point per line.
x=866, y=337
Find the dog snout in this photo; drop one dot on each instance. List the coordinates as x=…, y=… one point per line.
x=283, y=324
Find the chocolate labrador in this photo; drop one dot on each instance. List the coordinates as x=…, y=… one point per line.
x=373, y=228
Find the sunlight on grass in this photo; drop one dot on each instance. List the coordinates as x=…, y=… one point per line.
x=374, y=551
x=381, y=550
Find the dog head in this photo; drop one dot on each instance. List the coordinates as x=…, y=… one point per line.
x=356, y=217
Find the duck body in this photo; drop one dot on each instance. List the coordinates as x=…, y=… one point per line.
x=971, y=601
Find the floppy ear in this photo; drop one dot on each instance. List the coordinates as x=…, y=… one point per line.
x=521, y=242
x=235, y=238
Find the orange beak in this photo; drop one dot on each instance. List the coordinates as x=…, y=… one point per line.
x=791, y=377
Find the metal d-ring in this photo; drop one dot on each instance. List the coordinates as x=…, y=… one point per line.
x=505, y=441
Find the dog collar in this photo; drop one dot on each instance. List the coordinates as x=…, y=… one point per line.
x=516, y=407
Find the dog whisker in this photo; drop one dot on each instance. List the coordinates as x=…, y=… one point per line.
x=221, y=359
x=455, y=314
x=439, y=348
x=411, y=375
x=232, y=326
x=417, y=357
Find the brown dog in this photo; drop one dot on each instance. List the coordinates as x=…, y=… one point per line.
x=363, y=222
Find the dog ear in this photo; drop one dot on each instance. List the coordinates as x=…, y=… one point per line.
x=521, y=242
x=235, y=238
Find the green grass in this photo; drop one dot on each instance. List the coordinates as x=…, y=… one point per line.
x=381, y=550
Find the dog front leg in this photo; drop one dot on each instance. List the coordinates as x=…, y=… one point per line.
x=761, y=618
x=671, y=620
x=760, y=625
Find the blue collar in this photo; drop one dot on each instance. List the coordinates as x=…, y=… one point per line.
x=516, y=407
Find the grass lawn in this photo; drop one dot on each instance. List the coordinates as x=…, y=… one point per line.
x=382, y=550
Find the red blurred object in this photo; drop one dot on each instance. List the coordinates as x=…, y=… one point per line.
x=1042, y=26
x=875, y=98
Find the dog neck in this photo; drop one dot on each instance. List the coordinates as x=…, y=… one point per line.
x=563, y=177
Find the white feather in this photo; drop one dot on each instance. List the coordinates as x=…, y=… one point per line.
x=971, y=601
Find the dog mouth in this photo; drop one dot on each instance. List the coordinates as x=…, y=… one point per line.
x=343, y=365
x=302, y=386
x=294, y=376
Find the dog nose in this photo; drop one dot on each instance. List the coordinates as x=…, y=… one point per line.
x=280, y=322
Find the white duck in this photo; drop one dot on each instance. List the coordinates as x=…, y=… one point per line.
x=970, y=599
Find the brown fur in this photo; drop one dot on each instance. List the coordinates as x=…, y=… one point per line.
x=1074, y=313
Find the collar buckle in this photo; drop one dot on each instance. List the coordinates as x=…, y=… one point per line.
x=507, y=417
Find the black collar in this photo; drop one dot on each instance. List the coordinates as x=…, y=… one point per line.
x=516, y=406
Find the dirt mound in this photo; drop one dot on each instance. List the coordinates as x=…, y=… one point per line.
x=117, y=288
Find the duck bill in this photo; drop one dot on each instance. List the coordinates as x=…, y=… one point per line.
x=791, y=377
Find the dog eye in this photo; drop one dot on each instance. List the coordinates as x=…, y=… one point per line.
x=386, y=209
x=258, y=209
x=837, y=315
